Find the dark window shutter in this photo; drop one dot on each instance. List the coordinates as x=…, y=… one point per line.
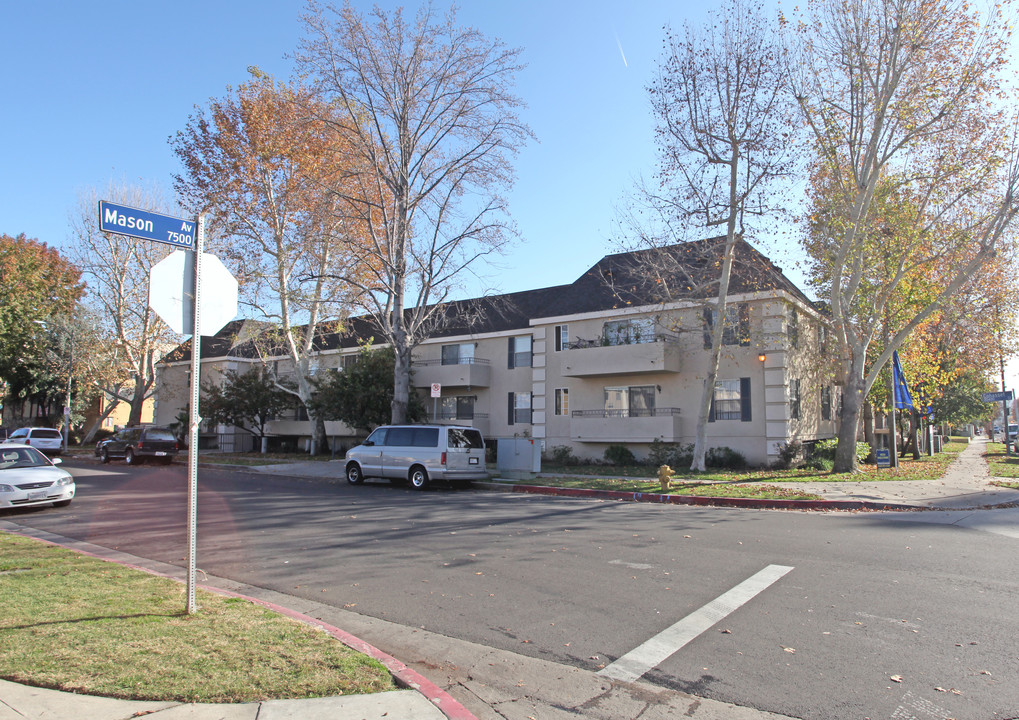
x=744, y=399
x=711, y=410
x=512, y=407
x=512, y=348
x=707, y=328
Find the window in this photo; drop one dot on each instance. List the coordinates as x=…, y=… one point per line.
x=737, y=325
x=632, y=331
x=794, y=399
x=793, y=328
x=348, y=361
x=462, y=438
x=731, y=400
x=562, y=401
x=520, y=351
x=462, y=354
x=632, y=401
x=826, y=402
x=822, y=338
x=460, y=407
x=562, y=337
x=519, y=408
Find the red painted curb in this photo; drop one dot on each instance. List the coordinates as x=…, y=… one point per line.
x=405, y=677
x=751, y=503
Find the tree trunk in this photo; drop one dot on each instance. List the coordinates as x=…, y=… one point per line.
x=868, y=430
x=401, y=384
x=852, y=404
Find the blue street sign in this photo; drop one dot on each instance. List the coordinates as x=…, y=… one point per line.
x=1001, y=396
x=146, y=225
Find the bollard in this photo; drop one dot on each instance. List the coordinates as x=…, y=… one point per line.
x=665, y=477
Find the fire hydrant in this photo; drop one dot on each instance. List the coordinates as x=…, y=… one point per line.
x=665, y=477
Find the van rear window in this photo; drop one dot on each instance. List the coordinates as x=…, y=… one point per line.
x=460, y=438
x=52, y=434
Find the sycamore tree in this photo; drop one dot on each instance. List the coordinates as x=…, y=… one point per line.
x=266, y=168
x=38, y=288
x=428, y=104
x=116, y=270
x=904, y=98
x=723, y=136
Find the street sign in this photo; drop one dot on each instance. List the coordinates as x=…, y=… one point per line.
x=883, y=457
x=146, y=225
x=436, y=390
x=171, y=294
x=1000, y=396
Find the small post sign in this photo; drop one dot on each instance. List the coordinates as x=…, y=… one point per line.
x=883, y=457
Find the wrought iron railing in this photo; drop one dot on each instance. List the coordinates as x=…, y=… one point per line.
x=627, y=413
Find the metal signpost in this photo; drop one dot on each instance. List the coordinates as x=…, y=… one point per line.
x=190, y=235
x=1004, y=396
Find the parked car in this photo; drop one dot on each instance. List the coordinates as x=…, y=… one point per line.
x=27, y=478
x=138, y=444
x=48, y=440
x=419, y=454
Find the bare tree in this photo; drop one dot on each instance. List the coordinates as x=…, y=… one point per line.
x=916, y=165
x=116, y=271
x=723, y=137
x=430, y=107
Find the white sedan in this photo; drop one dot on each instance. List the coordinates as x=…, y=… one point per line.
x=27, y=478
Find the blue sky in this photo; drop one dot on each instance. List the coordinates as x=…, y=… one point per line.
x=94, y=91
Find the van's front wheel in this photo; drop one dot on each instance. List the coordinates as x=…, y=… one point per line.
x=354, y=476
x=418, y=477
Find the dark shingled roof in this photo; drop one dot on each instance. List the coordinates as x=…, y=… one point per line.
x=688, y=271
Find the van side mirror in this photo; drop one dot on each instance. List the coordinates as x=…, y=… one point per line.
x=368, y=443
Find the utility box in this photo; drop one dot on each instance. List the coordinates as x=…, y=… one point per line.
x=518, y=458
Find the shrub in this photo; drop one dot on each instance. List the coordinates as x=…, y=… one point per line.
x=562, y=455
x=725, y=457
x=674, y=455
x=788, y=453
x=619, y=455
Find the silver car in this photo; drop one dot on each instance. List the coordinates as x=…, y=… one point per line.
x=27, y=478
x=419, y=454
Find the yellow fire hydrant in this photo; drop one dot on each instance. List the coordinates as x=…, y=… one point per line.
x=665, y=477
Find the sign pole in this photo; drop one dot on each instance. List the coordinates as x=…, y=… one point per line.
x=194, y=419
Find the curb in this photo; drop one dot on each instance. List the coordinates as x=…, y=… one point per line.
x=404, y=676
x=747, y=503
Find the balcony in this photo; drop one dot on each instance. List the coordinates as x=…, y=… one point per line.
x=466, y=372
x=626, y=425
x=590, y=358
x=478, y=421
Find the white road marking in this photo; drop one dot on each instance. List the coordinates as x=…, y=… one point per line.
x=633, y=566
x=652, y=653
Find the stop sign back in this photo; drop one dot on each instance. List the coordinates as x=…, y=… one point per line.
x=170, y=294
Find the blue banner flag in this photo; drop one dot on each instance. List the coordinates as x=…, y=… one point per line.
x=903, y=399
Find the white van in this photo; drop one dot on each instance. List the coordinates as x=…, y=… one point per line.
x=419, y=454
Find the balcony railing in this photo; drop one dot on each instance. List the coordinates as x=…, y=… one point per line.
x=626, y=425
x=627, y=413
x=653, y=353
x=462, y=372
x=631, y=339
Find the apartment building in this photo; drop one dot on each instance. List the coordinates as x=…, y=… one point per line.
x=619, y=356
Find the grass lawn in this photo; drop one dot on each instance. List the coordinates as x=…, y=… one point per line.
x=754, y=483
x=76, y=623
x=1002, y=465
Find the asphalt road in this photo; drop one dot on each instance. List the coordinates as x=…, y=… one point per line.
x=878, y=617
